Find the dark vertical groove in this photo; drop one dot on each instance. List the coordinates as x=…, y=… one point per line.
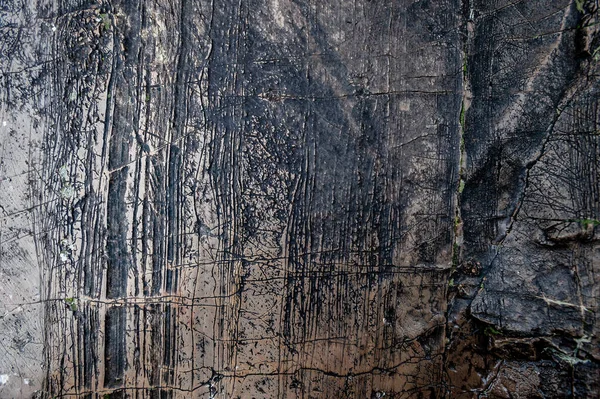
x=116, y=243
x=118, y=255
x=158, y=226
x=114, y=346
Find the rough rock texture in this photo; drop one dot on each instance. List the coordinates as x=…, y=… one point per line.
x=299, y=199
x=530, y=203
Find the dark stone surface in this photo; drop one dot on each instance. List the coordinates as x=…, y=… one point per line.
x=299, y=198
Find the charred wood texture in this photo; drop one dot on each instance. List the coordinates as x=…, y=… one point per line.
x=299, y=199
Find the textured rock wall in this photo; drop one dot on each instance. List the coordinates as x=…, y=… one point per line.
x=527, y=289
x=304, y=198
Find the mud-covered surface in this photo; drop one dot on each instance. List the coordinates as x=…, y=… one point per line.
x=304, y=198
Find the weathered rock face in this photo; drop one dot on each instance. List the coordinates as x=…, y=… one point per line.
x=530, y=202
x=300, y=199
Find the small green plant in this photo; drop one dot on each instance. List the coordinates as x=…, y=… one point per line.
x=490, y=331
x=596, y=54
x=585, y=223
x=455, y=255
x=72, y=303
x=451, y=283
x=461, y=186
x=579, y=4
x=105, y=21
